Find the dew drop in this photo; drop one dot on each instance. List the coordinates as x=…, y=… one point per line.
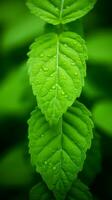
x=54, y=168
x=45, y=69
x=41, y=55
x=56, y=9
x=65, y=45
x=64, y=77
x=48, y=55
x=45, y=162
x=53, y=87
x=42, y=135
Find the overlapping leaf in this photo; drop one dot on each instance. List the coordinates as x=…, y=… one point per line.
x=78, y=191
x=57, y=68
x=58, y=152
x=60, y=11
x=40, y=192
x=92, y=164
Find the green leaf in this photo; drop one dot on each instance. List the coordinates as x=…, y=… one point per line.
x=11, y=10
x=58, y=152
x=91, y=90
x=102, y=113
x=40, y=192
x=100, y=48
x=22, y=32
x=92, y=164
x=15, y=171
x=21, y=27
x=60, y=11
x=57, y=68
x=79, y=191
x=15, y=93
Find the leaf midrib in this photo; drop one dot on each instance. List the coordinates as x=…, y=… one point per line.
x=57, y=67
x=61, y=10
x=60, y=120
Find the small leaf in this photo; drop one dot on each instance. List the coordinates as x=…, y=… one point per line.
x=58, y=152
x=79, y=191
x=92, y=164
x=102, y=113
x=40, y=192
x=57, y=68
x=60, y=11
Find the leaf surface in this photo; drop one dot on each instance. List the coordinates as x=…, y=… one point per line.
x=57, y=68
x=60, y=11
x=40, y=192
x=92, y=164
x=79, y=191
x=58, y=152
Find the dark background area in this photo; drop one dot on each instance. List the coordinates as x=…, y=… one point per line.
x=18, y=29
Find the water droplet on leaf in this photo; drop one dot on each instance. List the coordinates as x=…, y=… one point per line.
x=45, y=69
x=41, y=55
x=54, y=168
x=54, y=87
x=42, y=135
x=65, y=45
x=45, y=162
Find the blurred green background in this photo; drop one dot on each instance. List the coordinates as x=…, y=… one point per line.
x=18, y=29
